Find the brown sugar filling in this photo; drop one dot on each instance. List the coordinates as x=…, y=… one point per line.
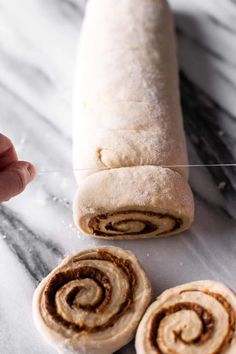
x=149, y=227
x=64, y=277
x=206, y=318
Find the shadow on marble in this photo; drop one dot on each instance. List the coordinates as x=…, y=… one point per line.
x=206, y=122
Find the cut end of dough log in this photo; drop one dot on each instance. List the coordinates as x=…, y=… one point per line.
x=134, y=202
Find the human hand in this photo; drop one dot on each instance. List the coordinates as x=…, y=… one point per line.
x=14, y=174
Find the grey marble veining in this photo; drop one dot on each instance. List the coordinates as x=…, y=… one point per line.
x=38, y=40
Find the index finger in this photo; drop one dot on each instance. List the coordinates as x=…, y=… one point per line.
x=7, y=152
x=15, y=178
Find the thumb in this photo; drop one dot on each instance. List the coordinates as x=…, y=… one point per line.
x=15, y=178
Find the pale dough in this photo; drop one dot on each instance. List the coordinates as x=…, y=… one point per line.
x=194, y=318
x=131, y=193
x=127, y=115
x=109, y=279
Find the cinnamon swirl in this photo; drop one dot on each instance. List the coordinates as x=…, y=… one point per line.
x=92, y=302
x=198, y=317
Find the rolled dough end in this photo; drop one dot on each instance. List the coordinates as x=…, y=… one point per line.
x=134, y=202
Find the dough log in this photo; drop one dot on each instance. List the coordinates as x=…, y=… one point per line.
x=195, y=318
x=128, y=124
x=92, y=302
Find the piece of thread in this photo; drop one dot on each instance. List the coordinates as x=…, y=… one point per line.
x=164, y=166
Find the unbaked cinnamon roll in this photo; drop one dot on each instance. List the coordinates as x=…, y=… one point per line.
x=195, y=318
x=154, y=202
x=129, y=144
x=92, y=302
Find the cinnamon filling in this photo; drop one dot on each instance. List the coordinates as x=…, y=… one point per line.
x=72, y=295
x=206, y=318
x=148, y=227
x=87, y=272
x=232, y=321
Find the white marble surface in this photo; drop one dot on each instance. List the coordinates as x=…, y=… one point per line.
x=38, y=41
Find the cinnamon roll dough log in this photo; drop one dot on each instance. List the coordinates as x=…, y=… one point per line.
x=126, y=101
x=92, y=302
x=126, y=104
x=134, y=202
x=194, y=318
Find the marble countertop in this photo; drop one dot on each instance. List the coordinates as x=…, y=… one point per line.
x=38, y=40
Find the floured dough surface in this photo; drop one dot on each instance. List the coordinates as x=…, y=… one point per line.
x=127, y=115
x=126, y=101
x=194, y=318
x=135, y=202
x=92, y=302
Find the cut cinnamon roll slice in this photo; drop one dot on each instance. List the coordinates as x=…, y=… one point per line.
x=195, y=318
x=135, y=202
x=92, y=302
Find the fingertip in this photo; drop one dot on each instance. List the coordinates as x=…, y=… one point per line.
x=25, y=171
x=15, y=178
x=31, y=170
x=5, y=141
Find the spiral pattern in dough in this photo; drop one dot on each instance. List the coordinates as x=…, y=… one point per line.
x=134, y=222
x=121, y=204
x=93, y=301
x=195, y=318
